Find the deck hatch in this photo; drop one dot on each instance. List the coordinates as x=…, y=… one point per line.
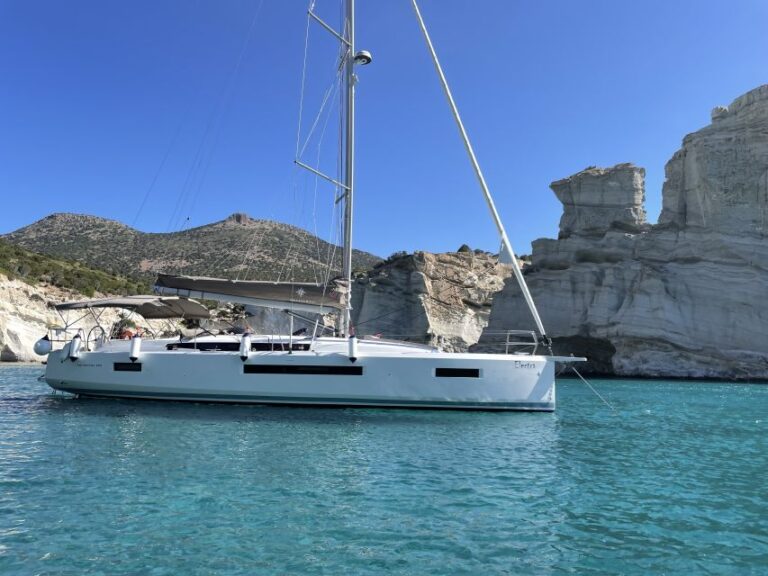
x=127, y=367
x=457, y=372
x=302, y=369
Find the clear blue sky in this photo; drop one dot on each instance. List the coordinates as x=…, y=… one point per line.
x=100, y=98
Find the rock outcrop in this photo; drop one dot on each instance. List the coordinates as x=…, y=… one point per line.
x=439, y=299
x=597, y=199
x=683, y=298
x=26, y=315
x=718, y=180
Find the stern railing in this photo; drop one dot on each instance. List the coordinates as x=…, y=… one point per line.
x=514, y=341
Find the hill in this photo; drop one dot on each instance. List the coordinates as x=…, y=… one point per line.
x=236, y=247
x=18, y=263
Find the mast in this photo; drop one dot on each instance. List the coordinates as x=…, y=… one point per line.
x=347, y=121
x=349, y=161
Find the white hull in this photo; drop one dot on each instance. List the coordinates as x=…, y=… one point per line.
x=385, y=375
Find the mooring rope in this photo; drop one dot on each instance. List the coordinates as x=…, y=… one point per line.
x=593, y=389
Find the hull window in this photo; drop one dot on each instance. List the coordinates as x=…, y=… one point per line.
x=280, y=369
x=127, y=366
x=235, y=346
x=457, y=372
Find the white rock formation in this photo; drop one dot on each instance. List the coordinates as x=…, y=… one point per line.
x=684, y=298
x=439, y=299
x=26, y=315
x=596, y=199
x=718, y=180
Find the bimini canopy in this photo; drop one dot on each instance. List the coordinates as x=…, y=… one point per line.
x=304, y=297
x=150, y=307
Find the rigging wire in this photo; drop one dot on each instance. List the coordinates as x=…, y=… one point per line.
x=321, y=138
x=201, y=161
x=253, y=247
x=198, y=169
x=332, y=88
x=336, y=225
x=226, y=108
x=302, y=92
x=593, y=389
x=181, y=262
x=303, y=77
x=230, y=256
x=157, y=173
x=315, y=134
x=335, y=231
x=184, y=118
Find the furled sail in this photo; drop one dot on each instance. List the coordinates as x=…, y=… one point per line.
x=298, y=296
x=150, y=307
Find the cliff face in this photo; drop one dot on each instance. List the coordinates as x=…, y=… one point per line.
x=25, y=316
x=439, y=299
x=718, y=180
x=683, y=298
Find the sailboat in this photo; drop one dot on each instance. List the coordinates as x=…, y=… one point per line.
x=314, y=369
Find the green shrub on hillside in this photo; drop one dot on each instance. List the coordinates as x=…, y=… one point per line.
x=32, y=268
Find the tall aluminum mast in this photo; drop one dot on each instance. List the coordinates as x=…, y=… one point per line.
x=363, y=57
x=350, y=58
x=349, y=161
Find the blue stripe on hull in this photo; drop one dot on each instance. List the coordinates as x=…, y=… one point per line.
x=328, y=402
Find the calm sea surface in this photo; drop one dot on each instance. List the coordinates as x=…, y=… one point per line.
x=674, y=482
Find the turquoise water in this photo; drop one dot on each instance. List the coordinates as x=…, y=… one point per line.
x=674, y=482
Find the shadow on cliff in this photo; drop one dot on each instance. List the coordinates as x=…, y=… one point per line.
x=598, y=351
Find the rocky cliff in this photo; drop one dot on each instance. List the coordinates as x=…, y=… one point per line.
x=26, y=315
x=439, y=299
x=683, y=298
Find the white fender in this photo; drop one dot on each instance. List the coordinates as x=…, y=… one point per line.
x=353, y=348
x=43, y=346
x=74, y=347
x=135, y=348
x=245, y=347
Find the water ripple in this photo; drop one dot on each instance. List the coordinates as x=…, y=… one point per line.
x=671, y=483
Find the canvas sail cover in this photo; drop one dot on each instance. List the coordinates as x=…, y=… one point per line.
x=150, y=307
x=300, y=296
